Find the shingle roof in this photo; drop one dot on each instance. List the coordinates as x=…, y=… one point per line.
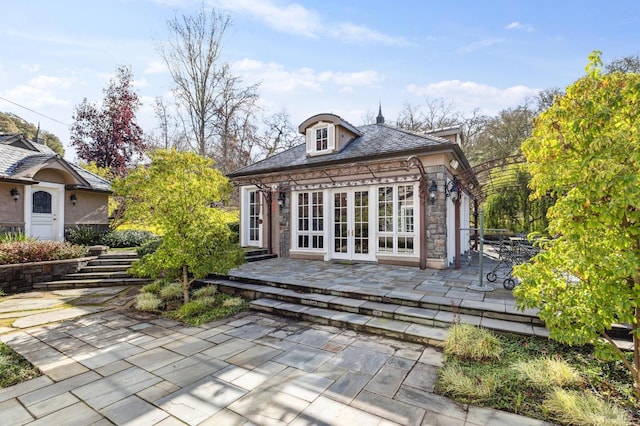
x=376, y=140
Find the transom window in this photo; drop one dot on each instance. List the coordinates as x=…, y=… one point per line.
x=310, y=224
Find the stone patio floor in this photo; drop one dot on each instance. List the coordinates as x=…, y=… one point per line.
x=122, y=367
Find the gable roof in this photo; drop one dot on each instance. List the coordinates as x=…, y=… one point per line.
x=21, y=159
x=376, y=140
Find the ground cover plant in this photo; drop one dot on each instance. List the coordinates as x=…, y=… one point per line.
x=14, y=368
x=205, y=304
x=537, y=378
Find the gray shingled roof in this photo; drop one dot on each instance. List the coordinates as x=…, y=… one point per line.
x=376, y=140
x=14, y=160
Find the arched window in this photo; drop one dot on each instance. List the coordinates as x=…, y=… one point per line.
x=41, y=202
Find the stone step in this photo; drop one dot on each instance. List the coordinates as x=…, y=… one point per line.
x=110, y=262
x=68, y=284
x=109, y=268
x=120, y=255
x=258, y=257
x=397, y=329
x=96, y=275
x=382, y=303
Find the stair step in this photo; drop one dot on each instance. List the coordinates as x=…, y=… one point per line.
x=120, y=255
x=96, y=275
x=403, y=330
x=68, y=284
x=255, y=252
x=110, y=262
x=100, y=268
x=258, y=257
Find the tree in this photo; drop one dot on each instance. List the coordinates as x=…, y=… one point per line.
x=214, y=101
x=172, y=132
x=628, y=64
x=108, y=134
x=279, y=135
x=175, y=193
x=585, y=150
x=11, y=123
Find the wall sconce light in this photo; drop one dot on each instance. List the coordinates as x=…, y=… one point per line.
x=73, y=199
x=15, y=194
x=452, y=190
x=433, y=192
x=281, y=198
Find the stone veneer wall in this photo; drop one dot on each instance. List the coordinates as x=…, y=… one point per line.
x=436, y=225
x=285, y=231
x=19, y=278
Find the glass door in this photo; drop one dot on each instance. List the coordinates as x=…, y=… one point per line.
x=351, y=225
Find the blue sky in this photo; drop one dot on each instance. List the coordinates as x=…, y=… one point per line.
x=313, y=56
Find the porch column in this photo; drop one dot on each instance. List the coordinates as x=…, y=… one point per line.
x=423, y=224
x=457, y=231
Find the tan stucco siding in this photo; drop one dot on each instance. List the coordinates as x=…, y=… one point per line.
x=11, y=212
x=91, y=208
x=50, y=175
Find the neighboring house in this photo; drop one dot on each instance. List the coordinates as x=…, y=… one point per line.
x=41, y=194
x=371, y=193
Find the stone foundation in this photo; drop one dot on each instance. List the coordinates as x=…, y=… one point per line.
x=19, y=278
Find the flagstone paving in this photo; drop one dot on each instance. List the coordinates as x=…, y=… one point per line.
x=124, y=367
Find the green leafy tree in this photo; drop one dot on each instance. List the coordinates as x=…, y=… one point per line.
x=585, y=150
x=11, y=123
x=175, y=193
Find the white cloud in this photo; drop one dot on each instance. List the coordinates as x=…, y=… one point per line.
x=468, y=95
x=155, y=67
x=276, y=78
x=293, y=18
x=31, y=68
x=45, y=82
x=34, y=97
x=515, y=25
x=481, y=44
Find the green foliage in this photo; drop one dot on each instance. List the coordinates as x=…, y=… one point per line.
x=85, y=235
x=171, y=291
x=175, y=194
x=209, y=308
x=585, y=151
x=38, y=251
x=148, y=247
x=478, y=386
x=12, y=237
x=582, y=408
x=127, y=238
x=11, y=123
x=14, y=368
x=148, y=302
x=546, y=373
x=470, y=342
x=207, y=291
x=155, y=286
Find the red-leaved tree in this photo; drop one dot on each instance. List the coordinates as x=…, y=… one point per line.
x=107, y=134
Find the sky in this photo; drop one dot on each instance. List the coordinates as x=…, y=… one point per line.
x=338, y=56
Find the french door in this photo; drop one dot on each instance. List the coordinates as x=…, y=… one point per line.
x=351, y=215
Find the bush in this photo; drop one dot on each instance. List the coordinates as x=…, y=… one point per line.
x=127, y=238
x=85, y=235
x=148, y=302
x=148, y=247
x=171, y=291
x=582, y=408
x=12, y=237
x=209, y=308
x=155, y=287
x=453, y=380
x=39, y=251
x=470, y=342
x=546, y=373
x=208, y=291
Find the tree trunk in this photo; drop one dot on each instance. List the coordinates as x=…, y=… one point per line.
x=185, y=283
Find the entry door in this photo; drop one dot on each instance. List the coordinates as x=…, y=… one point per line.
x=254, y=222
x=351, y=225
x=45, y=220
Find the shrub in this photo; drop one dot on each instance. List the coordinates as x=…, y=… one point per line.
x=454, y=381
x=209, y=308
x=12, y=237
x=234, y=302
x=148, y=302
x=195, y=307
x=149, y=246
x=171, y=291
x=39, y=251
x=126, y=238
x=85, y=235
x=582, y=408
x=546, y=373
x=470, y=342
x=155, y=287
x=208, y=291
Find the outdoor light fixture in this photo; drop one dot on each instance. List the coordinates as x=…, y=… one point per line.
x=15, y=194
x=452, y=190
x=433, y=191
x=73, y=199
x=281, y=199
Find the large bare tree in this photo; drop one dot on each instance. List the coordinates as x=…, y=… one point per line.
x=279, y=135
x=213, y=101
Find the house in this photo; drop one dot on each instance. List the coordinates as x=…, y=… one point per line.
x=41, y=194
x=371, y=193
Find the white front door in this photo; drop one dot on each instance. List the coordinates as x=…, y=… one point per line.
x=352, y=229
x=254, y=219
x=46, y=208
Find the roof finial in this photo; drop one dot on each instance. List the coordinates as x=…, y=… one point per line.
x=380, y=117
x=37, y=134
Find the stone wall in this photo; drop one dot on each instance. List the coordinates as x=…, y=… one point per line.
x=436, y=224
x=19, y=278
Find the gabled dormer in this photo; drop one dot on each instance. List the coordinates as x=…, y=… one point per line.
x=327, y=133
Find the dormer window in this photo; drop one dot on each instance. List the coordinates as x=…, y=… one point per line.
x=321, y=138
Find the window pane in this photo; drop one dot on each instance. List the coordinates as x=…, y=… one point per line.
x=41, y=202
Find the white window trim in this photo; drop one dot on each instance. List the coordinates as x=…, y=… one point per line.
x=396, y=219
x=244, y=217
x=296, y=232
x=311, y=138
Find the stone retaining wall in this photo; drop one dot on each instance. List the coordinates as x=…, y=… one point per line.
x=19, y=278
